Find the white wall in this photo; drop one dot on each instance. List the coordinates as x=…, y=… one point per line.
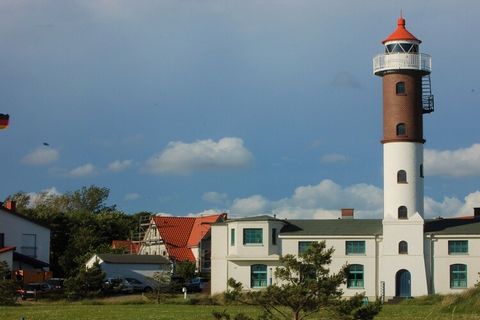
x=340, y=258
x=14, y=226
x=442, y=262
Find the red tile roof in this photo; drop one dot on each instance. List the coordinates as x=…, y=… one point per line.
x=181, y=254
x=401, y=33
x=6, y=249
x=182, y=233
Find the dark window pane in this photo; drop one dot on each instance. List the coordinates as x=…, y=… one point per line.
x=402, y=213
x=406, y=46
x=401, y=129
x=401, y=176
x=400, y=88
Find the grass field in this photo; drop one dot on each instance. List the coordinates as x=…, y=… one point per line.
x=136, y=308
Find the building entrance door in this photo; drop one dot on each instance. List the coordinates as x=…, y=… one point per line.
x=403, y=284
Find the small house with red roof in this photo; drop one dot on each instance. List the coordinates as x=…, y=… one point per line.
x=181, y=238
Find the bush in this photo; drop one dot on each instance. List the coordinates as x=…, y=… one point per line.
x=87, y=283
x=8, y=294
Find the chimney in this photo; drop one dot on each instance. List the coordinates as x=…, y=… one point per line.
x=476, y=212
x=347, y=213
x=10, y=205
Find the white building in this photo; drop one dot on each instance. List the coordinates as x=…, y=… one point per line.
x=24, y=243
x=140, y=267
x=400, y=255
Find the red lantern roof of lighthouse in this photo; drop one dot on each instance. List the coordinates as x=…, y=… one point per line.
x=401, y=33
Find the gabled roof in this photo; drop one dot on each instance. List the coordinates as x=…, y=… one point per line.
x=181, y=233
x=401, y=33
x=332, y=227
x=201, y=227
x=22, y=216
x=174, y=230
x=132, y=258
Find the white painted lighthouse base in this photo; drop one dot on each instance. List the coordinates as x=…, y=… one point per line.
x=393, y=264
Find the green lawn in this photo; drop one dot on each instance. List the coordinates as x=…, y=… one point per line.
x=80, y=311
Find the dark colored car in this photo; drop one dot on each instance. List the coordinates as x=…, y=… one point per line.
x=56, y=283
x=138, y=285
x=34, y=290
x=197, y=284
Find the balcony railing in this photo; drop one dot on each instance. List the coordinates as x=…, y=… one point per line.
x=397, y=61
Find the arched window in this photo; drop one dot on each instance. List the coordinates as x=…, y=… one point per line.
x=401, y=129
x=355, y=276
x=402, y=176
x=400, y=88
x=421, y=171
x=458, y=276
x=402, y=213
x=258, y=276
x=403, y=247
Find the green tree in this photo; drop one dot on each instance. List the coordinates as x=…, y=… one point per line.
x=306, y=286
x=185, y=270
x=87, y=283
x=7, y=285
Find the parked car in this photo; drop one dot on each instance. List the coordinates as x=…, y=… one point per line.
x=56, y=283
x=138, y=285
x=34, y=290
x=197, y=284
x=118, y=285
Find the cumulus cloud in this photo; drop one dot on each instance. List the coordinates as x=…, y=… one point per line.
x=325, y=200
x=131, y=196
x=332, y=158
x=184, y=158
x=321, y=201
x=41, y=156
x=453, y=163
x=119, y=165
x=451, y=206
x=82, y=171
x=253, y=205
x=215, y=197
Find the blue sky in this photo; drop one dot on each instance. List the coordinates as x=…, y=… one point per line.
x=184, y=107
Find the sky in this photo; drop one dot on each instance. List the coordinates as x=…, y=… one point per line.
x=189, y=107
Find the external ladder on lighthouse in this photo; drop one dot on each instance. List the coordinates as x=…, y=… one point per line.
x=427, y=96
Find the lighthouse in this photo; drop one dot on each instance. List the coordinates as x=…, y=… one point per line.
x=405, y=73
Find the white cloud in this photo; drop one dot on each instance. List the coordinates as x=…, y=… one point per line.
x=253, y=205
x=321, y=201
x=131, y=196
x=451, y=206
x=41, y=156
x=184, y=158
x=215, y=197
x=82, y=171
x=333, y=157
x=119, y=165
x=453, y=163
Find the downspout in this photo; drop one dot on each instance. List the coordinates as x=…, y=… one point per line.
x=376, y=266
x=431, y=267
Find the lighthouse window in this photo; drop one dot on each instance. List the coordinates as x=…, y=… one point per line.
x=400, y=88
x=401, y=129
x=421, y=171
x=402, y=213
x=402, y=176
x=403, y=247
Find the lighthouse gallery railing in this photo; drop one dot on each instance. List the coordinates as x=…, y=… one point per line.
x=417, y=61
